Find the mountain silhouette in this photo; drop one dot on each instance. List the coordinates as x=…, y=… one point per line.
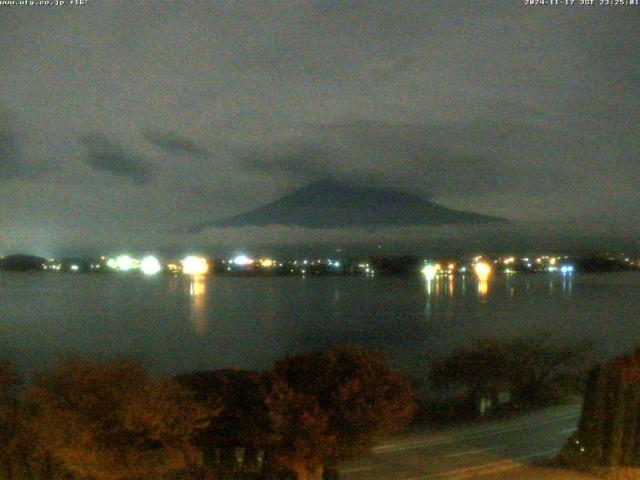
x=330, y=204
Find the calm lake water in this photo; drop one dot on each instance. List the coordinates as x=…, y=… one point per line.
x=181, y=324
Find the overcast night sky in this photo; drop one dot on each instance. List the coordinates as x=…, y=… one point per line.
x=122, y=123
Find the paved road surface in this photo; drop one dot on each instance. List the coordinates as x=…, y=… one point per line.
x=487, y=450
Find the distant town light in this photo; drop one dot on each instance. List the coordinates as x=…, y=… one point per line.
x=564, y=269
x=74, y=268
x=124, y=263
x=193, y=265
x=430, y=271
x=267, y=262
x=112, y=263
x=483, y=270
x=150, y=265
x=242, y=260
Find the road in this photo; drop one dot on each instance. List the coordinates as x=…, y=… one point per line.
x=497, y=449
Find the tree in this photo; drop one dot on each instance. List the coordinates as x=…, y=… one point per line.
x=361, y=398
x=9, y=417
x=525, y=365
x=608, y=433
x=111, y=421
x=240, y=398
x=301, y=439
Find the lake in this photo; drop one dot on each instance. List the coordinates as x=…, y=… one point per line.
x=180, y=324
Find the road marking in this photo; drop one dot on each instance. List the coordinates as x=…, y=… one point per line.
x=481, y=433
x=355, y=469
x=485, y=469
x=397, y=447
x=477, y=450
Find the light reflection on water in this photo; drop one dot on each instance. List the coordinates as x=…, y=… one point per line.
x=198, y=293
x=439, y=287
x=483, y=287
x=567, y=284
x=170, y=321
x=445, y=285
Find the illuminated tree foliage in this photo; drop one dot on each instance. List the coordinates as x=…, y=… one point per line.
x=609, y=429
x=301, y=441
x=357, y=393
x=111, y=421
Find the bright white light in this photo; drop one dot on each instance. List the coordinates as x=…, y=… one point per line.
x=336, y=264
x=150, y=265
x=75, y=268
x=193, y=265
x=242, y=260
x=566, y=269
x=482, y=269
x=124, y=263
x=111, y=263
x=430, y=271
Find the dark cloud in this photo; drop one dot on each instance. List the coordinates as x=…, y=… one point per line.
x=175, y=144
x=304, y=159
x=456, y=104
x=106, y=155
x=10, y=160
x=449, y=159
x=478, y=155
